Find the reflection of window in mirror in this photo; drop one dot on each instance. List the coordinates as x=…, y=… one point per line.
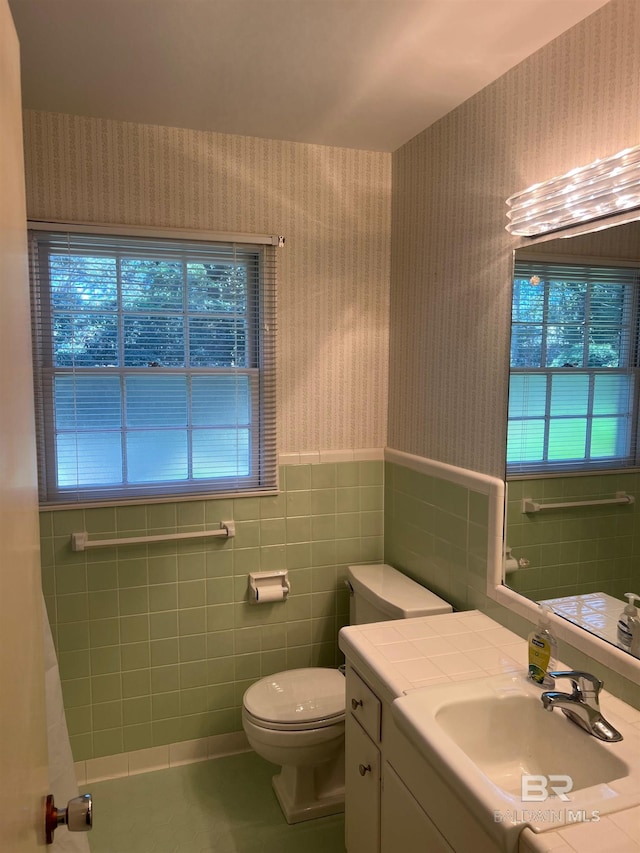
x=572, y=439
x=574, y=365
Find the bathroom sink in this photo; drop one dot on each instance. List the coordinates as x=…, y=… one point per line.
x=484, y=735
x=510, y=735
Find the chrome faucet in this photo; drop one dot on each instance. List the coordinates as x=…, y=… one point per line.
x=581, y=705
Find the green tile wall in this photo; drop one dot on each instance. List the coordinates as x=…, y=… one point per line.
x=580, y=550
x=436, y=532
x=430, y=522
x=157, y=643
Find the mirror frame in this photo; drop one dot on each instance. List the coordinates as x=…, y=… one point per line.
x=579, y=638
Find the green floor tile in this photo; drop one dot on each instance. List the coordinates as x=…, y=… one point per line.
x=226, y=805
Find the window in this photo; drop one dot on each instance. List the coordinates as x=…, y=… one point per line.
x=574, y=367
x=154, y=366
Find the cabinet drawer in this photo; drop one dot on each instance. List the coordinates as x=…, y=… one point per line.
x=361, y=790
x=363, y=703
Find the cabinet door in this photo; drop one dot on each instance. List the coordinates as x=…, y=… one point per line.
x=404, y=825
x=362, y=791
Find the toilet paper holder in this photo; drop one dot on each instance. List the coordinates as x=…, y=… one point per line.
x=268, y=586
x=512, y=564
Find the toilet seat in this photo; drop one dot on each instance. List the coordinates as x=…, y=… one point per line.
x=297, y=699
x=270, y=725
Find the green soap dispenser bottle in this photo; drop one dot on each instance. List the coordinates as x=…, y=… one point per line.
x=543, y=650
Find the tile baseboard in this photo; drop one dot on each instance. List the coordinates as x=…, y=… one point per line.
x=159, y=757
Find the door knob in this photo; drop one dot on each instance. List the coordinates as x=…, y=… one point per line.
x=364, y=768
x=77, y=817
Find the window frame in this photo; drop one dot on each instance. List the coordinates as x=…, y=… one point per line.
x=260, y=367
x=536, y=263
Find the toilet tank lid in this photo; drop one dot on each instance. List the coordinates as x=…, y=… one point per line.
x=297, y=696
x=395, y=593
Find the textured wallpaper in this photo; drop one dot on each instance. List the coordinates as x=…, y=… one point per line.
x=332, y=204
x=573, y=101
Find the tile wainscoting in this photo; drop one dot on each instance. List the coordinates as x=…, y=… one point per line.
x=578, y=550
x=157, y=642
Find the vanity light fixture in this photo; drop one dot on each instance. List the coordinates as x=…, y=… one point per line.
x=603, y=188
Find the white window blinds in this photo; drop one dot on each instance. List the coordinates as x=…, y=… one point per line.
x=574, y=367
x=154, y=366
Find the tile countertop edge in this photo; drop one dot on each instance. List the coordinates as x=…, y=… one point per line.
x=367, y=647
x=384, y=680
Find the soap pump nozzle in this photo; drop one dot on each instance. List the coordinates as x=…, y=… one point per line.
x=544, y=616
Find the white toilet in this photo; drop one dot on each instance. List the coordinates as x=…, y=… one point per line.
x=296, y=718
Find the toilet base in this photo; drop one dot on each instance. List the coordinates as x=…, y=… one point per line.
x=305, y=793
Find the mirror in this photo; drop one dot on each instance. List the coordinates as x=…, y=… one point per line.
x=581, y=558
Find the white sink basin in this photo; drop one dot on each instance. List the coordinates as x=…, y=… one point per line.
x=508, y=736
x=482, y=736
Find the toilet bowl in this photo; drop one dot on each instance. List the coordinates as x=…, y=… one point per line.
x=296, y=718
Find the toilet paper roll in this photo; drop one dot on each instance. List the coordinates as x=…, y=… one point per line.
x=272, y=592
x=511, y=565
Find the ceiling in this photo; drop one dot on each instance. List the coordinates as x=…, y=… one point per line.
x=365, y=74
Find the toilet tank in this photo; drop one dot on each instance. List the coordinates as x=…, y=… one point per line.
x=380, y=592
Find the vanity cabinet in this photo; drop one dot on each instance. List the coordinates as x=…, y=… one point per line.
x=447, y=822
x=393, y=800
x=404, y=825
x=403, y=792
x=362, y=766
x=381, y=815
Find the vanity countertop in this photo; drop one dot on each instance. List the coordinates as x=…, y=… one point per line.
x=595, y=611
x=401, y=656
